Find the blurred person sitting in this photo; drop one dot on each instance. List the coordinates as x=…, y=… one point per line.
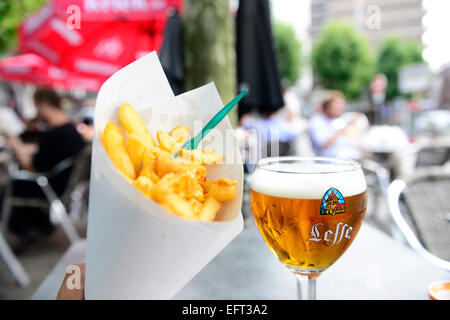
x=85, y=123
x=58, y=140
x=327, y=139
x=271, y=129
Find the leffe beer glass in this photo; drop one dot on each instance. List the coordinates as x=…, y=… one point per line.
x=308, y=210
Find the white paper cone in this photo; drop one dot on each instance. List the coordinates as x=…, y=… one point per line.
x=135, y=248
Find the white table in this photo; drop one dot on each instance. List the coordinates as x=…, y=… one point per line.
x=374, y=267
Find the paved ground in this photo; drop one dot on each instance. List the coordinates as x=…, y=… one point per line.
x=37, y=261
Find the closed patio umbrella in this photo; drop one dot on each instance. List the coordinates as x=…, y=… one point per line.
x=171, y=52
x=256, y=65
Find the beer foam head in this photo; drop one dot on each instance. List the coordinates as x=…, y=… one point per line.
x=308, y=180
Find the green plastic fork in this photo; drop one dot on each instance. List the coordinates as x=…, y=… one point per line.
x=195, y=141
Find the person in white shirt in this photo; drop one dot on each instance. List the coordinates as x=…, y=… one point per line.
x=327, y=140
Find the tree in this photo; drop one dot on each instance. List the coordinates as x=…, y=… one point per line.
x=11, y=14
x=288, y=52
x=342, y=59
x=413, y=52
x=208, y=40
x=394, y=54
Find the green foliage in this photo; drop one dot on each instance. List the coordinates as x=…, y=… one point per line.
x=393, y=54
x=342, y=59
x=288, y=52
x=12, y=12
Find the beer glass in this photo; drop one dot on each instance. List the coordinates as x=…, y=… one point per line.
x=308, y=210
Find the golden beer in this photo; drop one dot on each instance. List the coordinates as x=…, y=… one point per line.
x=308, y=211
x=308, y=235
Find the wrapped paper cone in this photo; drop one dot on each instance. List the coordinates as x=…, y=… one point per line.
x=135, y=248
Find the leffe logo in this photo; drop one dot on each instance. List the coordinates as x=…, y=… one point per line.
x=330, y=237
x=332, y=203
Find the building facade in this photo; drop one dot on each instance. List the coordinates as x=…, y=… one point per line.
x=376, y=19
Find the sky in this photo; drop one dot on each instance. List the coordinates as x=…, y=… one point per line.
x=297, y=14
x=436, y=36
x=294, y=12
x=436, y=23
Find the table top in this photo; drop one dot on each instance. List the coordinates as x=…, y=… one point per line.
x=374, y=267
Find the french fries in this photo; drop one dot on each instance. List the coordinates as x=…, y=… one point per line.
x=209, y=209
x=179, y=185
x=180, y=134
x=136, y=151
x=165, y=163
x=133, y=124
x=145, y=185
x=188, y=187
x=167, y=142
x=201, y=156
x=148, y=172
x=221, y=190
x=117, y=150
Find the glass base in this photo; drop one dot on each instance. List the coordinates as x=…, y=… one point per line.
x=312, y=273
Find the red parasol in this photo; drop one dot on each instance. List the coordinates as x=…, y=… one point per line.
x=95, y=38
x=108, y=50
x=31, y=68
x=23, y=68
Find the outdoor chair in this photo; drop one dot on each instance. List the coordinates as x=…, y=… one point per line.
x=13, y=264
x=59, y=206
x=377, y=179
x=420, y=208
x=433, y=155
x=6, y=253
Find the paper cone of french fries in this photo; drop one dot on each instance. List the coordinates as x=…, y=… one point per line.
x=135, y=248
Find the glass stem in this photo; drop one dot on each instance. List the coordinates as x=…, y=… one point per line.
x=306, y=287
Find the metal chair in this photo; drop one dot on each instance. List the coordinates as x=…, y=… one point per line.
x=420, y=208
x=378, y=179
x=8, y=256
x=433, y=155
x=58, y=206
x=13, y=264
